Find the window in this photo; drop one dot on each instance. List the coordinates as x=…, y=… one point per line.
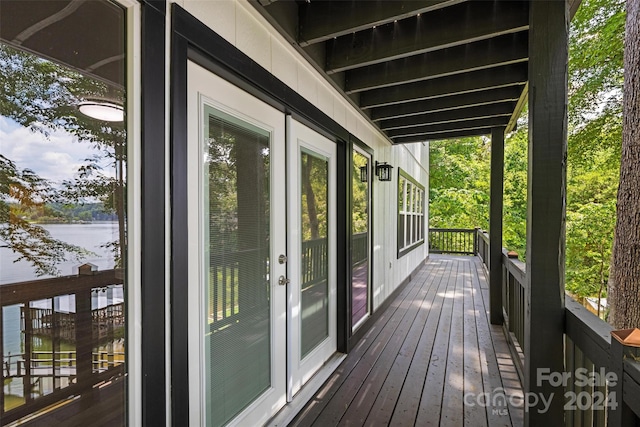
x=410, y=213
x=63, y=213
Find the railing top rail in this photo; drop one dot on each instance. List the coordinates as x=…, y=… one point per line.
x=483, y=235
x=516, y=267
x=454, y=230
x=632, y=367
x=588, y=331
x=19, y=292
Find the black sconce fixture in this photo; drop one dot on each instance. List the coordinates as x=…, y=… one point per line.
x=383, y=171
x=364, y=173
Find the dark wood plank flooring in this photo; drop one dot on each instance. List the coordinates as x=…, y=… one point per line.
x=431, y=359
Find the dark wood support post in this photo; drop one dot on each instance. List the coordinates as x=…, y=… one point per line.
x=28, y=349
x=544, y=298
x=495, y=226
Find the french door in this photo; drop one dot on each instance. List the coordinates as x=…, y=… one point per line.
x=237, y=327
x=261, y=253
x=311, y=172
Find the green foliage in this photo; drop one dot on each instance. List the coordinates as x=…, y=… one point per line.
x=595, y=138
x=514, y=227
x=359, y=197
x=31, y=242
x=459, y=183
x=596, y=59
x=42, y=96
x=593, y=158
x=589, y=243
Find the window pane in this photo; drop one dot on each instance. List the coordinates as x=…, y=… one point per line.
x=236, y=211
x=401, y=194
x=359, y=240
x=314, y=298
x=63, y=276
x=401, y=221
x=410, y=213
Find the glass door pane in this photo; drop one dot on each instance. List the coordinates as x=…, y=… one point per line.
x=236, y=246
x=359, y=240
x=64, y=215
x=314, y=290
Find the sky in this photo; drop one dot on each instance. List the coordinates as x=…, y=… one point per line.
x=55, y=158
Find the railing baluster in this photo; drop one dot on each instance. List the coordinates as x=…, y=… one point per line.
x=570, y=387
x=453, y=241
x=233, y=290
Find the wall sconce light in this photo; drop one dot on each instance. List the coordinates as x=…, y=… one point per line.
x=383, y=171
x=364, y=173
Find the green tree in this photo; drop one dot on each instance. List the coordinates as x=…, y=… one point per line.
x=459, y=183
x=42, y=96
x=514, y=227
x=31, y=242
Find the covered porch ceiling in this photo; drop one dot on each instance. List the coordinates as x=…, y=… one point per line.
x=421, y=69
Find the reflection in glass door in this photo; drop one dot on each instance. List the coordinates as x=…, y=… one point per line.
x=360, y=238
x=237, y=327
x=237, y=323
x=312, y=248
x=314, y=288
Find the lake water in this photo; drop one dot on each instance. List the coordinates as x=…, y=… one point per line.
x=88, y=236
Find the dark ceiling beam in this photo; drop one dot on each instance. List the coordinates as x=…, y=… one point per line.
x=465, y=100
x=324, y=20
x=503, y=109
x=504, y=76
x=503, y=50
x=441, y=136
x=452, y=26
x=449, y=127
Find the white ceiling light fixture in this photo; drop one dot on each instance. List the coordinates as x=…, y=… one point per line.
x=108, y=111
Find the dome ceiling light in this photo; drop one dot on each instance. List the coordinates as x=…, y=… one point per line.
x=107, y=111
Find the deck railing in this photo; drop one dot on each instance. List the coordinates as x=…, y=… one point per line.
x=460, y=241
x=315, y=263
x=589, y=348
x=360, y=248
x=225, y=271
x=226, y=297
x=38, y=377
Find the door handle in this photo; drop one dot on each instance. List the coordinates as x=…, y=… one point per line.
x=283, y=281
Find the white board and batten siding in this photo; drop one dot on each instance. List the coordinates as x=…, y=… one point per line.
x=242, y=26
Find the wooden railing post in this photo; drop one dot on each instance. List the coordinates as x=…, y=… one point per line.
x=476, y=249
x=84, y=345
x=620, y=415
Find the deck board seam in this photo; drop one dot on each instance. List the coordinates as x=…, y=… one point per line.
x=389, y=328
x=391, y=346
x=420, y=322
x=356, y=355
x=423, y=417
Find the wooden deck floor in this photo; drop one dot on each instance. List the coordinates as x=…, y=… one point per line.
x=431, y=359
